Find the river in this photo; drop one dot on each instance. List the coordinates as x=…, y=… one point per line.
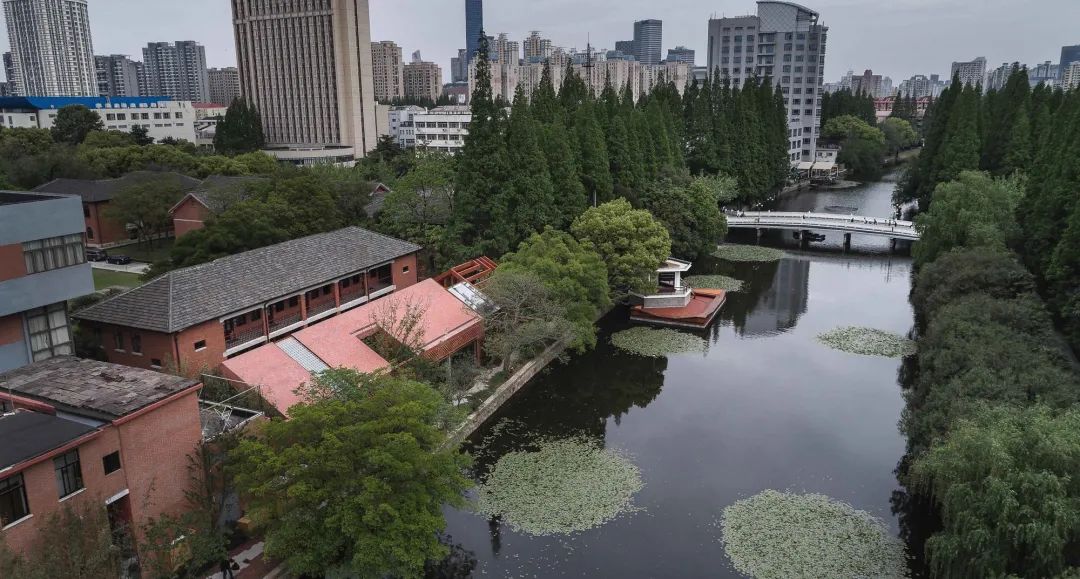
x=766, y=407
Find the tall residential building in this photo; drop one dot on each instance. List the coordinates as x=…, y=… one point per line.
x=1070, y=78
x=537, y=49
x=681, y=54
x=459, y=67
x=224, y=85
x=51, y=49
x=176, y=70
x=1046, y=73
x=117, y=76
x=871, y=84
x=387, y=71
x=997, y=79
x=505, y=51
x=423, y=80
x=1069, y=55
x=316, y=109
x=474, y=27
x=972, y=72
x=648, y=39
x=917, y=86
x=784, y=42
x=12, y=83
x=626, y=47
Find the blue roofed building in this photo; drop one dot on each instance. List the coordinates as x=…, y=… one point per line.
x=161, y=116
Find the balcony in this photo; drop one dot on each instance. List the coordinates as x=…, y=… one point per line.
x=241, y=339
x=283, y=323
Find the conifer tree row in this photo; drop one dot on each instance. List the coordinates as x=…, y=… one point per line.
x=558, y=152
x=1034, y=132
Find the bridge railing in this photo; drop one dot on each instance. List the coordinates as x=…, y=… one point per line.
x=793, y=217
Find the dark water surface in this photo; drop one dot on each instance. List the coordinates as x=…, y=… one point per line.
x=766, y=407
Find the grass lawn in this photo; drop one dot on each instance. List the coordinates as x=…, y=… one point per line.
x=149, y=252
x=104, y=278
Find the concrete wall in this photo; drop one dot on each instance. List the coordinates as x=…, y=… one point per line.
x=50, y=217
x=47, y=287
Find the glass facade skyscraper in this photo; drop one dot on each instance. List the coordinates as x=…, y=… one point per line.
x=474, y=25
x=1069, y=55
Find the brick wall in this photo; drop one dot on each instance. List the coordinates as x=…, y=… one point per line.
x=155, y=346
x=154, y=451
x=106, y=231
x=11, y=329
x=12, y=264
x=189, y=216
x=192, y=362
x=404, y=271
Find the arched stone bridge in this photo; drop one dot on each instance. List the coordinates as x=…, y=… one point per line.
x=847, y=224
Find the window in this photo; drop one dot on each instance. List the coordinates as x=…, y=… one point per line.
x=111, y=462
x=49, y=335
x=279, y=307
x=118, y=340
x=256, y=315
x=405, y=269
x=53, y=253
x=294, y=301
x=68, y=473
x=200, y=345
x=121, y=116
x=136, y=344
x=86, y=210
x=179, y=115
x=89, y=232
x=110, y=117
x=12, y=500
x=155, y=363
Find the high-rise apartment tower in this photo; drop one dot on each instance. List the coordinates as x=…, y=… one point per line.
x=51, y=48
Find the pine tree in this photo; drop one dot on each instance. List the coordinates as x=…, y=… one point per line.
x=482, y=165
x=960, y=151
x=571, y=198
x=545, y=104
x=594, y=169
x=525, y=203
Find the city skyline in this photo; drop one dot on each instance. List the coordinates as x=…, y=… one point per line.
x=885, y=44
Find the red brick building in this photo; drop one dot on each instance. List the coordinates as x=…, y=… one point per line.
x=192, y=319
x=447, y=325
x=101, y=231
x=216, y=194
x=80, y=431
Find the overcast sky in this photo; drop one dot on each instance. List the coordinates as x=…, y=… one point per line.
x=897, y=38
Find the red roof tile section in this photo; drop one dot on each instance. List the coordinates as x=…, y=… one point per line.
x=337, y=341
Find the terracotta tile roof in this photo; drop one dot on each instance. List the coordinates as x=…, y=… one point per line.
x=91, y=388
x=185, y=297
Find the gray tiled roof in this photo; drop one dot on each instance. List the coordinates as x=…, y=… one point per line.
x=91, y=388
x=95, y=190
x=185, y=297
x=218, y=192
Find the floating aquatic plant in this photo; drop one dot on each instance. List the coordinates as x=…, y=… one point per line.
x=656, y=343
x=563, y=487
x=782, y=535
x=720, y=282
x=735, y=252
x=868, y=342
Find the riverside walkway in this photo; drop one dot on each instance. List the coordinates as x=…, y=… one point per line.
x=847, y=224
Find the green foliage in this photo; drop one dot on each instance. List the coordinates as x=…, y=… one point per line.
x=1063, y=279
x=529, y=318
x=844, y=102
x=631, y=242
x=657, y=342
x=240, y=131
x=140, y=135
x=146, y=205
x=105, y=139
x=74, y=541
x=867, y=342
x=287, y=207
x=851, y=127
x=899, y=134
x=574, y=275
x=964, y=272
x=691, y=214
x=973, y=211
x=353, y=484
x=73, y=123
x=1006, y=482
